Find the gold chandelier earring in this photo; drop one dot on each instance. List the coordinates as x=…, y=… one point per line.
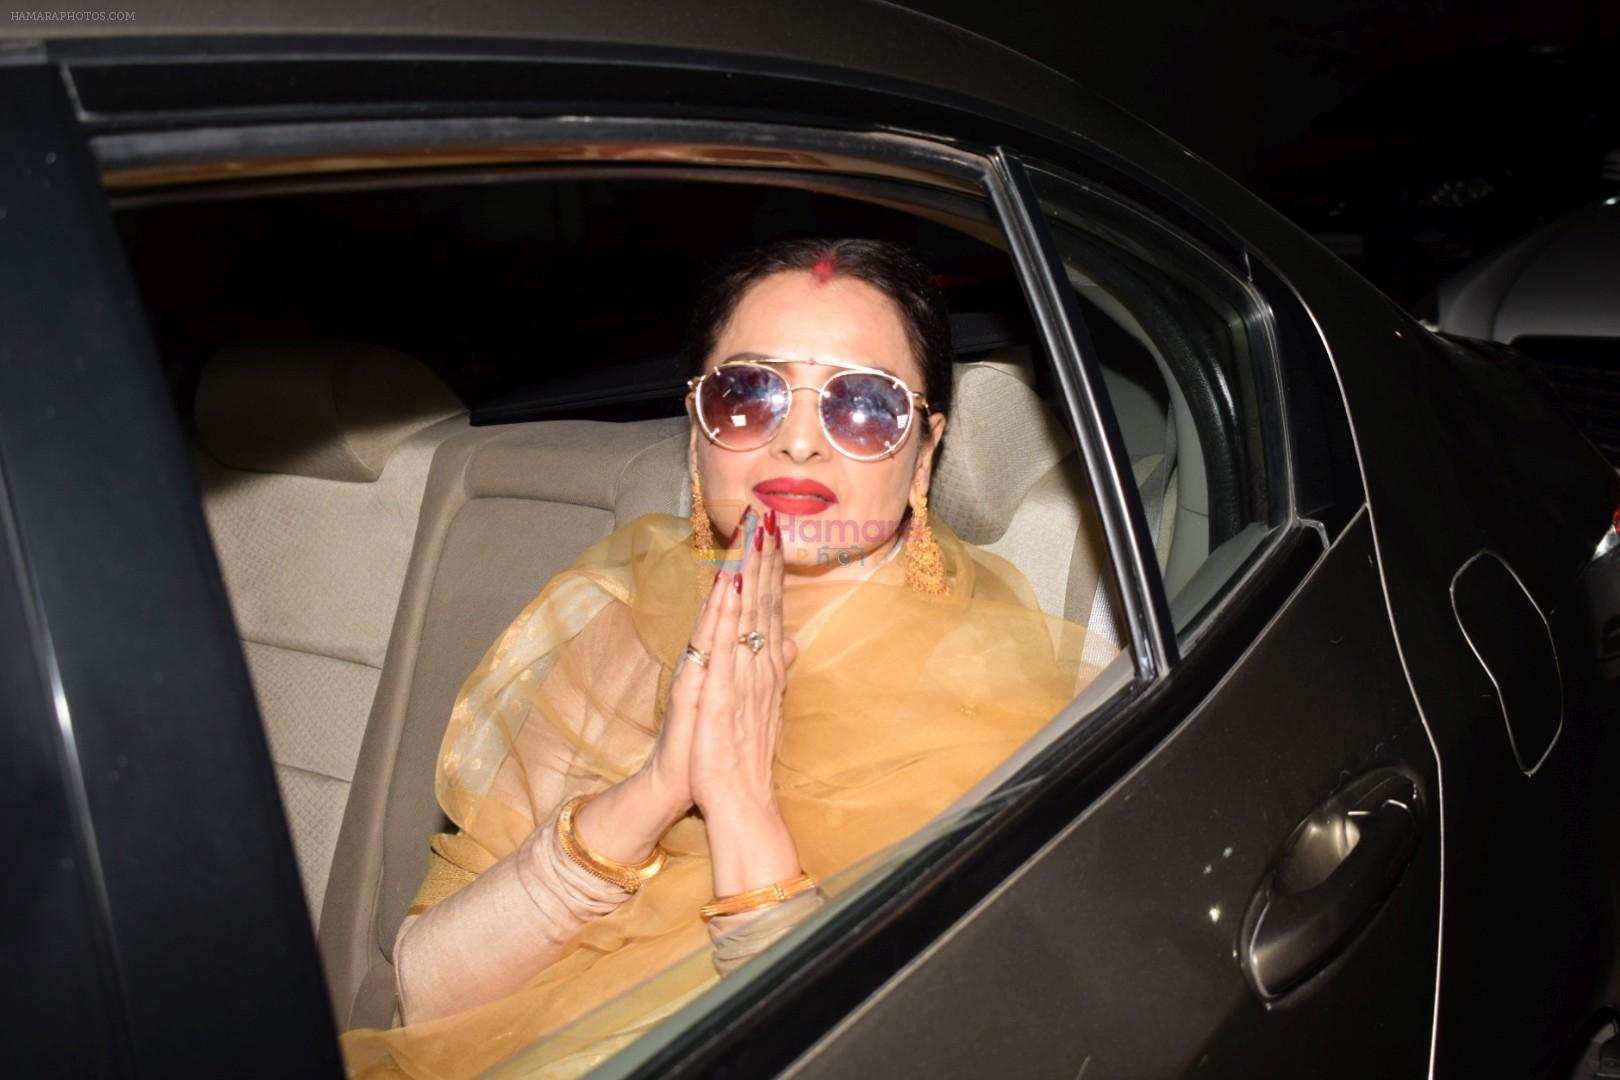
x=703, y=553
x=925, y=564
x=702, y=530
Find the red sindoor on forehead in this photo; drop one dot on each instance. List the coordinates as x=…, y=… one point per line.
x=823, y=269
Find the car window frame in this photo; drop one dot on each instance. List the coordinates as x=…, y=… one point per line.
x=1096, y=429
x=1111, y=728
x=881, y=154
x=1272, y=319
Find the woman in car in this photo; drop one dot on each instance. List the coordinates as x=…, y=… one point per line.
x=677, y=739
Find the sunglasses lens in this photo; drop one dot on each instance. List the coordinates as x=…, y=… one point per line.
x=866, y=415
x=743, y=405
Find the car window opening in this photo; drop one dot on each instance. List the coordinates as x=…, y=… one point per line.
x=501, y=355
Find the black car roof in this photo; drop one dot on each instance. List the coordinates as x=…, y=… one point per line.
x=925, y=67
x=874, y=41
x=863, y=35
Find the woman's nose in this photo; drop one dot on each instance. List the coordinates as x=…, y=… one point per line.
x=801, y=439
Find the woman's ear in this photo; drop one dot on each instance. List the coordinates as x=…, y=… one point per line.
x=928, y=452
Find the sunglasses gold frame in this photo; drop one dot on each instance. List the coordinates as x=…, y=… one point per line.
x=920, y=403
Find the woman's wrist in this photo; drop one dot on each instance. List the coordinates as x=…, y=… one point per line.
x=669, y=800
x=749, y=846
x=626, y=821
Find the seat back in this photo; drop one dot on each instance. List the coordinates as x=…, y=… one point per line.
x=506, y=509
x=1010, y=479
x=311, y=459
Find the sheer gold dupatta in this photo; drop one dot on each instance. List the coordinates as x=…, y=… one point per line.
x=896, y=705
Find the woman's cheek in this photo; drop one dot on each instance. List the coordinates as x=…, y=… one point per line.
x=724, y=489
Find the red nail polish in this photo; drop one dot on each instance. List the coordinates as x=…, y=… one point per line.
x=759, y=538
x=770, y=522
x=739, y=584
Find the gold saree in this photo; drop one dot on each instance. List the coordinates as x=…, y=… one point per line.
x=897, y=704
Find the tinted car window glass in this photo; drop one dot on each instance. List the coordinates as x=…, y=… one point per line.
x=1185, y=353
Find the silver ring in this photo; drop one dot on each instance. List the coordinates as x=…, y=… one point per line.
x=697, y=655
x=753, y=639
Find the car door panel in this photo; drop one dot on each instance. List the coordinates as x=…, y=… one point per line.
x=196, y=906
x=1116, y=952
x=1463, y=454
x=55, y=952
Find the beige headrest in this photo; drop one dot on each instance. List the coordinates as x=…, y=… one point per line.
x=329, y=409
x=1000, y=440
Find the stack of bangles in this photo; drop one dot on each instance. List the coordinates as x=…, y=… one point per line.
x=631, y=876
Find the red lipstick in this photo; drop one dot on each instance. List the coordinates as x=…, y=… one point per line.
x=795, y=495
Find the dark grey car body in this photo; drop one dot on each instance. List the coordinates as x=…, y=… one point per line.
x=1098, y=924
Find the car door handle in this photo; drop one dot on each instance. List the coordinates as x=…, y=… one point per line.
x=1335, y=872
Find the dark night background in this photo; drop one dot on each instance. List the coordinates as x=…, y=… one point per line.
x=1410, y=137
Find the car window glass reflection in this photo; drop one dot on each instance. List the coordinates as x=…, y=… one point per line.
x=1183, y=364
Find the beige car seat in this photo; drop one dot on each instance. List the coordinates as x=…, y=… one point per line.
x=311, y=457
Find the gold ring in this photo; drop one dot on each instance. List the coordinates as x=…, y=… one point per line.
x=697, y=655
x=753, y=639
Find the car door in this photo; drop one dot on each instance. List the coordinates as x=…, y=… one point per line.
x=1234, y=870
x=1494, y=524
x=154, y=923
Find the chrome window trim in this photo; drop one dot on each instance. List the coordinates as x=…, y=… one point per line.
x=229, y=153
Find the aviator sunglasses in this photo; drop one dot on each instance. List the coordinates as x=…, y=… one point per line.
x=866, y=413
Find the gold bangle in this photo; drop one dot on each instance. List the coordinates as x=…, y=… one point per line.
x=754, y=899
x=628, y=876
